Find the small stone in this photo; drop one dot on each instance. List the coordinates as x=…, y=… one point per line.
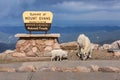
x=47, y=54
x=53, y=68
x=56, y=46
x=82, y=69
x=29, y=68
x=63, y=69
x=106, y=46
x=22, y=48
x=30, y=54
x=58, y=69
x=26, y=46
x=34, y=49
x=49, y=42
x=48, y=48
x=95, y=46
x=17, y=54
x=69, y=70
x=45, y=69
x=8, y=51
x=33, y=42
x=40, y=42
x=94, y=68
x=21, y=42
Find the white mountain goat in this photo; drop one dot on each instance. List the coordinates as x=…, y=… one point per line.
x=58, y=54
x=84, y=47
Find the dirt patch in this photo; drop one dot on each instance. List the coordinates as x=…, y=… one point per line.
x=96, y=55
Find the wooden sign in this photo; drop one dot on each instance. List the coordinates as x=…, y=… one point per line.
x=37, y=21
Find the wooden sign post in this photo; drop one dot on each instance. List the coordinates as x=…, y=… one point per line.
x=37, y=21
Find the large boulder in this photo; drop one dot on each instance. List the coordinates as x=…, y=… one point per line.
x=69, y=46
x=95, y=46
x=109, y=69
x=116, y=45
x=106, y=46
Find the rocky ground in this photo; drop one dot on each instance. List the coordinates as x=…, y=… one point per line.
x=102, y=66
x=96, y=55
x=64, y=70
x=99, y=52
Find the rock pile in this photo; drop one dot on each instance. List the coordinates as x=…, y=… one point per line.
x=106, y=46
x=32, y=68
x=114, y=45
x=35, y=47
x=38, y=49
x=74, y=46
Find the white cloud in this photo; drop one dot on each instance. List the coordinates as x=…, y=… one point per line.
x=99, y=15
x=14, y=7
x=81, y=10
x=75, y=6
x=80, y=6
x=11, y=10
x=116, y=6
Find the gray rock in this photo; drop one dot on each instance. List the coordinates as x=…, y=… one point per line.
x=82, y=69
x=116, y=45
x=29, y=68
x=109, y=69
x=7, y=69
x=94, y=68
x=69, y=46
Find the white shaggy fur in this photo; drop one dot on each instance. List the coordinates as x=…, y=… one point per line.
x=84, y=45
x=59, y=54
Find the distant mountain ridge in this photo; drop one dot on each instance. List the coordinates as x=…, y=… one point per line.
x=58, y=29
x=4, y=46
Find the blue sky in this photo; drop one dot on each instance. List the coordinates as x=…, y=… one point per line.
x=66, y=12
